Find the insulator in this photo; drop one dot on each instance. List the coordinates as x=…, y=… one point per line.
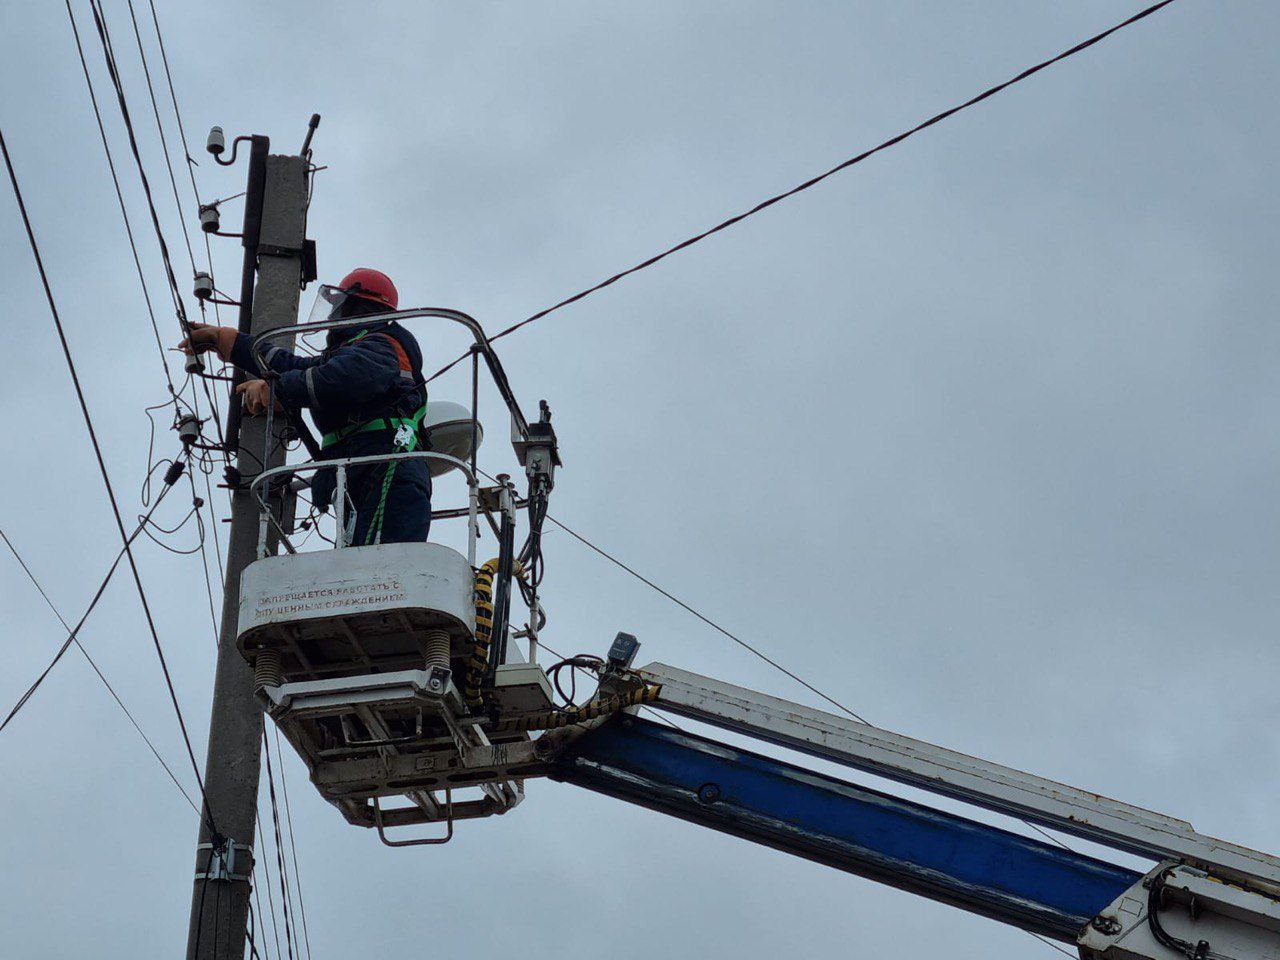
x=436, y=646
x=203, y=288
x=210, y=218
x=217, y=141
x=188, y=429
x=267, y=669
x=194, y=364
x=174, y=473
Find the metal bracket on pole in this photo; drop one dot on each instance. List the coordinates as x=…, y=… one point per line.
x=222, y=861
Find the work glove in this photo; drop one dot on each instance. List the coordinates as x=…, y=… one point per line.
x=205, y=336
x=256, y=393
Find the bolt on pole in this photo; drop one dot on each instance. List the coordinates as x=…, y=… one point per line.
x=275, y=224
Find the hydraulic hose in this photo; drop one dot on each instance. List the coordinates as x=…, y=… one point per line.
x=478, y=659
x=552, y=719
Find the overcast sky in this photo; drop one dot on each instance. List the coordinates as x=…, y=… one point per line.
x=979, y=435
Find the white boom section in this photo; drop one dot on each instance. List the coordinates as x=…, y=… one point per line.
x=1178, y=912
x=980, y=782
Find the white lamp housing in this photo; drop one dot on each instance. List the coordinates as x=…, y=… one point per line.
x=450, y=429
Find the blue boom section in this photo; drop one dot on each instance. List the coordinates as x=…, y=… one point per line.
x=1037, y=886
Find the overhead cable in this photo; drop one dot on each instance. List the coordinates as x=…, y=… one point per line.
x=280, y=862
x=74, y=637
x=164, y=144
x=708, y=621
x=108, y=53
x=746, y=646
x=814, y=181
x=293, y=845
x=266, y=871
x=124, y=213
x=195, y=193
x=125, y=538
x=164, y=141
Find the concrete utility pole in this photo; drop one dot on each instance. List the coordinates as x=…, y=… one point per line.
x=275, y=224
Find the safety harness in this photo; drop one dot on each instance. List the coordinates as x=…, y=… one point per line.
x=407, y=433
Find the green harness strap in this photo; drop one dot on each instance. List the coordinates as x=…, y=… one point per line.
x=404, y=443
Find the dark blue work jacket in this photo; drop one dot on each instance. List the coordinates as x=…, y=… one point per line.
x=356, y=380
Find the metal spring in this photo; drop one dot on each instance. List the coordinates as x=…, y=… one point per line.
x=268, y=671
x=436, y=646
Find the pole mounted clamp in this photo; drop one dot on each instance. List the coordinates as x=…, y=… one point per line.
x=223, y=860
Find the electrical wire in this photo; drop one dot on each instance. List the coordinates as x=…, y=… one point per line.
x=293, y=845
x=709, y=622
x=175, y=394
x=649, y=710
x=125, y=538
x=164, y=141
x=108, y=53
x=266, y=872
x=71, y=637
x=1050, y=943
x=814, y=181
x=204, y=557
x=643, y=265
x=97, y=670
x=124, y=213
x=280, y=864
x=109, y=56
x=195, y=192
x=249, y=934
x=748, y=647
x=1192, y=951
x=164, y=144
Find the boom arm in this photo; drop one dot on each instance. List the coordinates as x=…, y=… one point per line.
x=1030, y=883
x=1203, y=898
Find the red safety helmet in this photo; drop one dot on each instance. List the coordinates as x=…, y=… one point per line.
x=369, y=284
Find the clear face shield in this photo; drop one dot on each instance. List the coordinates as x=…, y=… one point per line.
x=334, y=303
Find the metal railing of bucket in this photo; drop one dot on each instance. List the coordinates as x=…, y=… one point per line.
x=482, y=347
x=263, y=482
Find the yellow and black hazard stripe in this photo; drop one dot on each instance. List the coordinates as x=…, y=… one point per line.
x=478, y=658
x=552, y=719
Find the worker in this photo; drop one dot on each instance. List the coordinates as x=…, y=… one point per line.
x=366, y=396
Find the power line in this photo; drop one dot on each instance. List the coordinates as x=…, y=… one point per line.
x=71, y=637
x=108, y=53
x=708, y=621
x=101, y=676
x=293, y=844
x=164, y=141
x=749, y=647
x=106, y=478
x=195, y=193
x=115, y=179
x=266, y=871
x=138, y=265
x=1050, y=943
x=280, y=864
x=703, y=617
x=814, y=181
x=164, y=145
x=249, y=934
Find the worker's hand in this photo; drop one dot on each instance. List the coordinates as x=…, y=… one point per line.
x=257, y=394
x=205, y=336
